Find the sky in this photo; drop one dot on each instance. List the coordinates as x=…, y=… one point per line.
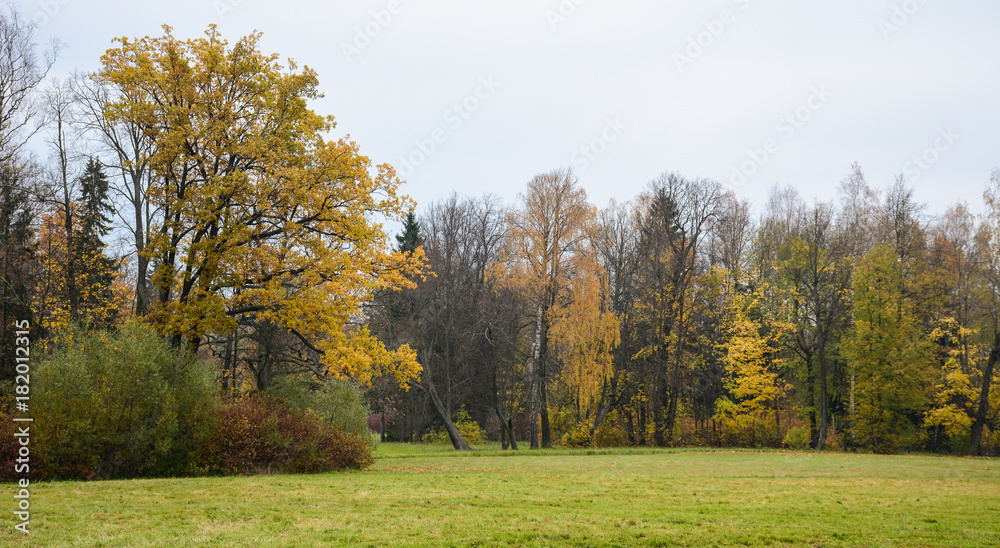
x=480, y=96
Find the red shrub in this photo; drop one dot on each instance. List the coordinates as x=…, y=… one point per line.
x=260, y=434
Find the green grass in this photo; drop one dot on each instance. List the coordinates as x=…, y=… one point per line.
x=433, y=496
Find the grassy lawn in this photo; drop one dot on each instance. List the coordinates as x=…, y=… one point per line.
x=431, y=496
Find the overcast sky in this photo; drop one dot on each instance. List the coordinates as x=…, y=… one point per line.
x=749, y=92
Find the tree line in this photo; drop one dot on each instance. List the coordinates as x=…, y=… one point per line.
x=681, y=317
x=187, y=185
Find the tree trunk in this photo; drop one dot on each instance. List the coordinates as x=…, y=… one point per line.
x=533, y=379
x=142, y=274
x=456, y=437
x=824, y=412
x=506, y=430
x=975, y=447
x=609, y=403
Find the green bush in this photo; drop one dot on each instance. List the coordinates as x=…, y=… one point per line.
x=123, y=403
x=335, y=402
x=797, y=438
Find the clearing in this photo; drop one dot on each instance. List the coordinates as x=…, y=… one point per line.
x=433, y=496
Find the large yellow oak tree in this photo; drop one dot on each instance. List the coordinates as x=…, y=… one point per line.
x=258, y=214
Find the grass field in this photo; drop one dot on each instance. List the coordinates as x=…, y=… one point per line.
x=431, y=496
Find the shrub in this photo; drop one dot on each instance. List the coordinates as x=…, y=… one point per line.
x=335, y=401
x=797, y=438
x=262, y=434
x=611, y=433
x=119, y=403
x=579, y=436
x=468, y=428
x=8, y=447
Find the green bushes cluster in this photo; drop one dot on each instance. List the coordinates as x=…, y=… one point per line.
x=124, y=403
x=119, y=404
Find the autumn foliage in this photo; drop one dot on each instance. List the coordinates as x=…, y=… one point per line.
x=261, y=434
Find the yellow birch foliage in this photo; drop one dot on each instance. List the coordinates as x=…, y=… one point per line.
x=584, y=333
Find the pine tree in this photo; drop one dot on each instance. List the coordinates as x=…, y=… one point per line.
x=410, y=239
x=95, y=269
x=17, y=261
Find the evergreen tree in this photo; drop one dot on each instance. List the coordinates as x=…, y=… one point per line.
x=410, y=239
x=17, y=262
x=95, y=270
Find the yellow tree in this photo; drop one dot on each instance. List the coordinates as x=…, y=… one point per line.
x=261, y=219
x=953, y=395
x=891, y=356
x=100, y=294
x=545, y=232
x=584, y=335
x=753, y=336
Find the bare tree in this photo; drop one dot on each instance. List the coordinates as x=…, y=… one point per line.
x=126, y=149
x=679, y=215
x=21, y=71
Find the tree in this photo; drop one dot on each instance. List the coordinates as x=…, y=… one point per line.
x=446, y=317
x=584, y=334
x=614, y=239
x=678, y=216
x=124, y=141
x=891, y=356
x=18, y=267
x=410, y=239
x=546, y=231
x=77, y=282
x=260, y=218
x=814, y=271
x=753, y=339
x=989, y=241
x=21, y=72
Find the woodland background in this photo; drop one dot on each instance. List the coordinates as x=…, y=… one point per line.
x=212, y=289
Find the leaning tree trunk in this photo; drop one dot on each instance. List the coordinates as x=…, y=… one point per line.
x=456, y=437
x=984, y=399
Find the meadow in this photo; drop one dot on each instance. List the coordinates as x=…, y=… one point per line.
x=432, y=496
